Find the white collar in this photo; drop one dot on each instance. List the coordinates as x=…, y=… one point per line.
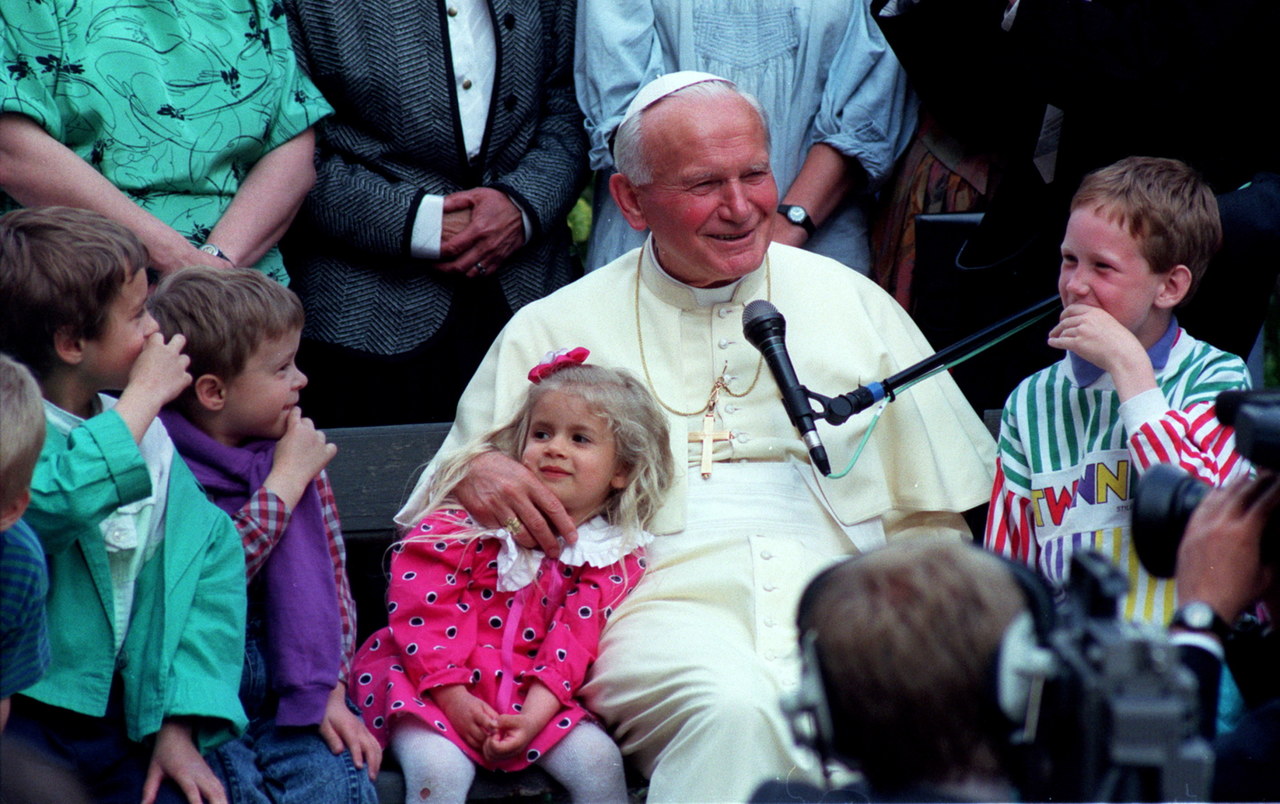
x=64, y=421
x=703, y=297
x=599, y=545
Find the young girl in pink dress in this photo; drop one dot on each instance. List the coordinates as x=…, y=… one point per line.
x=488, y=642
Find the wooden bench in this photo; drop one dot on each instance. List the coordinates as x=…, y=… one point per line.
x=372, y=475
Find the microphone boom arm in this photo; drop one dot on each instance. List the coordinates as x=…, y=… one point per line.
x=838, y=410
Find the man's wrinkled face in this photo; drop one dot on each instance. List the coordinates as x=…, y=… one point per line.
x=712, y=196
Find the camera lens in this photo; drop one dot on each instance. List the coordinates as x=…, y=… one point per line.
x=1162, y=505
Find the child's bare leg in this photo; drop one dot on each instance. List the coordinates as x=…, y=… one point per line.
x=435, y=770
x=589, y=765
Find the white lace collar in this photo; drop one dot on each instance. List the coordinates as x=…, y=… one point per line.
x=599, y=545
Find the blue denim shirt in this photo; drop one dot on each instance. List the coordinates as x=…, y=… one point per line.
x=821, y=69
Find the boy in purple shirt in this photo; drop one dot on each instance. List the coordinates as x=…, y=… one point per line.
x=240, y=430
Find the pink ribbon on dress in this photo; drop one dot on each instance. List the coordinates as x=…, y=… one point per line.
x=506, y=688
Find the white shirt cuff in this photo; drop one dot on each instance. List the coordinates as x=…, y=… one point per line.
x=1147, y=406
x=524, y=218
x=894, y=8
x=428, y=226
x=1010, y=14
x=1198, y=640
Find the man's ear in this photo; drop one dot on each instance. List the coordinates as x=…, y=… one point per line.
x=1177, y=283
x=211, y=392
x=69, y=350
x=627, y=198
x=14, y=509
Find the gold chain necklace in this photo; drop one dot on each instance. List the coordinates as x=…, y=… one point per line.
x=720, y=384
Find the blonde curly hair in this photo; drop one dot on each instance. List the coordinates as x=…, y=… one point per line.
x=639, y=429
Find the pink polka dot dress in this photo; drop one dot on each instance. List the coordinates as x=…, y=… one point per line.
x=449, y=624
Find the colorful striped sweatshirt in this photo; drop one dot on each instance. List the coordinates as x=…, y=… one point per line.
x=1069, y=458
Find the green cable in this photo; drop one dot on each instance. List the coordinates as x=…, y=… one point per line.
x=865, y=438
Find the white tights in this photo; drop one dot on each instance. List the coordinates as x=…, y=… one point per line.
x=586, y=762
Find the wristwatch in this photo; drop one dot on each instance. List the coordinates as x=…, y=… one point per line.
x=799, y=216
x=1200, y=616
x=209, y=248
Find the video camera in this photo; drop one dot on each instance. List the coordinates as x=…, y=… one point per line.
x=1166, y=496
x=1086, y=706
x=1103, y=709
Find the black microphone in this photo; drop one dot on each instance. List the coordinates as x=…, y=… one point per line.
x=766, y=329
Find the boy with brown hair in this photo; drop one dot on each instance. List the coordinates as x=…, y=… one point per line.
x=146, y=602
x=241, y=432
x=24, y=579
x=1134, y=389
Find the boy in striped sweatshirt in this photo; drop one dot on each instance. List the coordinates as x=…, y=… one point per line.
x=1134, y=388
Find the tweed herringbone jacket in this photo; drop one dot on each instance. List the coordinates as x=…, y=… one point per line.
x=385, y=66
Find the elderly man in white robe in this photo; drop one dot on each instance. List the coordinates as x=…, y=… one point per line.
x=692, y=665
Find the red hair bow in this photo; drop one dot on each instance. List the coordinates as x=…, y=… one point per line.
x=554, y=361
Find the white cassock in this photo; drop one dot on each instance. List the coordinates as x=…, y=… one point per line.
x=693, y=663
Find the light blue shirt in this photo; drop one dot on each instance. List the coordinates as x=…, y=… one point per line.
x=821, y=69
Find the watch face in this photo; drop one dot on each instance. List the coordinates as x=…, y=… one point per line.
x=795, y=214
x=1198, y=616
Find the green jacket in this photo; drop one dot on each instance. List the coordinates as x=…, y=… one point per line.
x=185, y=645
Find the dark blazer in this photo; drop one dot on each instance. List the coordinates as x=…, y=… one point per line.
x=386, y=67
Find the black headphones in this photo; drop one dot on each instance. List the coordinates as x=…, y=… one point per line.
x=1022, y=660
x=807, y=710
x=1018, y=668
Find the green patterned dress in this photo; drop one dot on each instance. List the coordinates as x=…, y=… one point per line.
x=174, y=101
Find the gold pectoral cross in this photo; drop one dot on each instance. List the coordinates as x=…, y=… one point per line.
x=709, y=434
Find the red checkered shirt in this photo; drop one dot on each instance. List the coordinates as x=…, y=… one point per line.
x=261, y=522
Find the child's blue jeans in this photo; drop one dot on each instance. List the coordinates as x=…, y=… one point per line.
x=282, y=765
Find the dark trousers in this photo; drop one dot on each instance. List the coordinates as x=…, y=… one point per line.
x=95, y=749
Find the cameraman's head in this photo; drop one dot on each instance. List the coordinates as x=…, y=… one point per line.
x=906, y=637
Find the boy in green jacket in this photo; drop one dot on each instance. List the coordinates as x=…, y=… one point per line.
x=147, y=598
